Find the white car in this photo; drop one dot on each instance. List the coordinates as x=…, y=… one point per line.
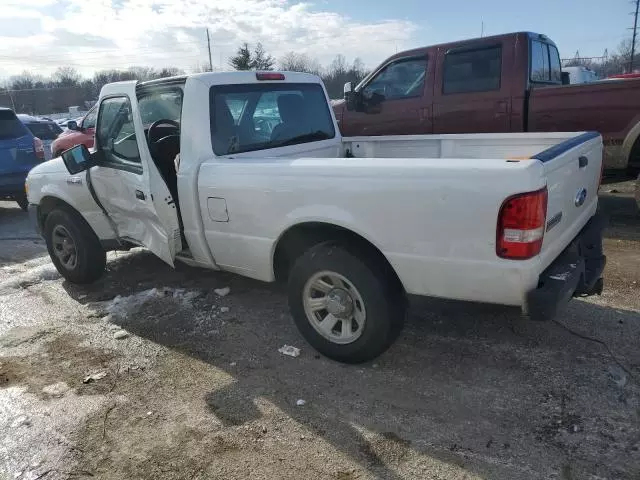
x=353, y=225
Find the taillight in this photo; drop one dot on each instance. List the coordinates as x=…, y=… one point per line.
x=521, y=224
x=38, y=147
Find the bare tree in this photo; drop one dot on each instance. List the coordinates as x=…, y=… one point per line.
x=299, y=62
x=66, y=77
x=339, y=73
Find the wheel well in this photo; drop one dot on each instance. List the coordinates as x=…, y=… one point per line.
x=300, y=238
x=48, y=205
x=634, y=154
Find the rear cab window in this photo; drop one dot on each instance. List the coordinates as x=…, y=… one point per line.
x=10, y=126
x=472, y=70
x=44, y=130
x=261, y=116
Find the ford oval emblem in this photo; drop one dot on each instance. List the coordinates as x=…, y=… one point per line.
x=581, y=196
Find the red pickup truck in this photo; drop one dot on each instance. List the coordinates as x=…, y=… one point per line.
x=505, y=83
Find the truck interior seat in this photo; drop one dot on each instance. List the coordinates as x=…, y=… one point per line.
x=292, y=115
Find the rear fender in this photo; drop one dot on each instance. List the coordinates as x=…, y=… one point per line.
x=621, y=160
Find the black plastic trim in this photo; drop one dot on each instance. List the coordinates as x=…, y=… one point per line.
x=552, y=152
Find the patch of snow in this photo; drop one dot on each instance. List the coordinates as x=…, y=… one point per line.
x=120, y=334
x=289, y=351
x=301, y=402
x=94, y=376
x=122, y=306
x=222, y=292
x=56, y=389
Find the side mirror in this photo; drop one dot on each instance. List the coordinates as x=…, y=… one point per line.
x=566, y=79
x=77, y=159
x=348, y=89
x=72, y=125
x=349, y=96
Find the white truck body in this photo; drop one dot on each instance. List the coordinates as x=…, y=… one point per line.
x=429, y=204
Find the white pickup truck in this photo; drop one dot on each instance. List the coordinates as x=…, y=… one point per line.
x=246, y=172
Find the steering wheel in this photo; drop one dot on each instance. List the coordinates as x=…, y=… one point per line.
x=152, y=135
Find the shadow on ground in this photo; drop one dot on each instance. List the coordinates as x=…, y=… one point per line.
x=18, y=240
x=470, y=385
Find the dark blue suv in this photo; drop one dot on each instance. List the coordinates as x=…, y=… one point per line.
x=20, y=151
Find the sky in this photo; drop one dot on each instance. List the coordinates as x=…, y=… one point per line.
x=40, y=35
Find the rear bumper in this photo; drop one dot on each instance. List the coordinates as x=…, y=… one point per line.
x=576, y=272
x=12, y=183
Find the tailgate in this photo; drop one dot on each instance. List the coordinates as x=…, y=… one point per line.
x=573, y=170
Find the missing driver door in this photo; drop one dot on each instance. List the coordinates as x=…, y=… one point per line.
x=127, y=182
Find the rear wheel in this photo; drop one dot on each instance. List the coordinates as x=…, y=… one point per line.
x=345, y=305
x=21, y=200
x=73, y=247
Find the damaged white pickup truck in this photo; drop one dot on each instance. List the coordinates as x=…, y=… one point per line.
x=246, y=172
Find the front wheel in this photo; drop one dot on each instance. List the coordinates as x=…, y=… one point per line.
x=73, y=247
x=345, y=305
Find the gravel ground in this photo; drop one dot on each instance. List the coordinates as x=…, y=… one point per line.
x=197, y=389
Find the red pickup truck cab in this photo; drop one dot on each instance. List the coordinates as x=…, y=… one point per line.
x=505, y=83
x=81, y=133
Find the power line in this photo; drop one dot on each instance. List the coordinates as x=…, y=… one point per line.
x=209, y=48
x=633, y=41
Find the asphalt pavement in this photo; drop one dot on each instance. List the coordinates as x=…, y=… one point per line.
x=150, y=374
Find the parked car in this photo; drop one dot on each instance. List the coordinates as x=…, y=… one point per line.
x=504, y=83
x=19, y=152
x=78, y=132
x=354, y=225
x=45, y=130
x=579, y=74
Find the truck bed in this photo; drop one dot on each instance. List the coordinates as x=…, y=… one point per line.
x=430, y=215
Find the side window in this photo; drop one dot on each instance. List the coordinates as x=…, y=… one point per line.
x=556, y=69
x=90, y=118
x=401, y=79
x=540, y=62
x=115, y=135
x=472, y=71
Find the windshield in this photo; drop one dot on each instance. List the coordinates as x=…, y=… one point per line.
x=10, y=126
x=252, y=117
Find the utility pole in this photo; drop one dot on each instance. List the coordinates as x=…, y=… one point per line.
x=482, y=28
x=635, y=31
x=209, y=47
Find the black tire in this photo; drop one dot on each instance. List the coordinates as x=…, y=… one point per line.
x=21, y=200
x=384, y=300
x=91, y=258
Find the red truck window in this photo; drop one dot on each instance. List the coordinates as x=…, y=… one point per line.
x=477, y=70
x=545, y=63
x=401, y=79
